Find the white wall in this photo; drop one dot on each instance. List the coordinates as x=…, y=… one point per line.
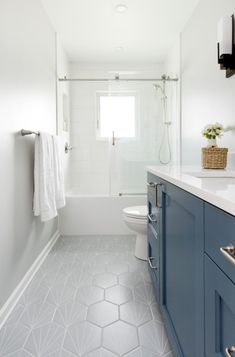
x=63, y=91
x=207, y=96
x=90, y=158
x=27, y=97
x=172, y=69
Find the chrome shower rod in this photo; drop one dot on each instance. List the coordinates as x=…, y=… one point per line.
x=118, y=79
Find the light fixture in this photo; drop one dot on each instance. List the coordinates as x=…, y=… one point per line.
x=120, y=49
x=121, y=8
x=226, y=45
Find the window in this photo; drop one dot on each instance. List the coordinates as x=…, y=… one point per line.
x=116, y=113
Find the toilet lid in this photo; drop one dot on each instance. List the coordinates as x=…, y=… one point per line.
x=136, y=211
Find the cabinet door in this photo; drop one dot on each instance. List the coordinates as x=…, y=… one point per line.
x=219, y=311
x=182, y=270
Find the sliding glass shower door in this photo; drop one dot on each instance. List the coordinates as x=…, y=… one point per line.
x=135, y=136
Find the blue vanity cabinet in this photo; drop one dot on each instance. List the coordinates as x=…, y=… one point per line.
x=219, y=282
x=219, y=311
x=192, y=245
x=182, y=248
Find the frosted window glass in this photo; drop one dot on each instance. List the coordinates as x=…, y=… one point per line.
x=117, y=113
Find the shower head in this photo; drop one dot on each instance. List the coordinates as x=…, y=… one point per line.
x=157, y=86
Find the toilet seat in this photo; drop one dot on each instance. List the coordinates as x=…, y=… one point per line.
x=136, y=212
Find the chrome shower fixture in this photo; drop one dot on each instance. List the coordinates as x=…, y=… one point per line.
x=157, y=86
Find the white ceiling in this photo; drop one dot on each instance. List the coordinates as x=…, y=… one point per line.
x=92, y=30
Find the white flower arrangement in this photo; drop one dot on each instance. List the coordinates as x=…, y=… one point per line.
x=212, y=131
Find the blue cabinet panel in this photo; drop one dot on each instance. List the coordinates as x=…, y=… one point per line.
x=219, y=310
x=182, y=269
x=219, y=233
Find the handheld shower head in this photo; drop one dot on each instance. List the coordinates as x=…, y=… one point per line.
x=157, y=86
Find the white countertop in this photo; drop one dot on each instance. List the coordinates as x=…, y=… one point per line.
x=219, y=190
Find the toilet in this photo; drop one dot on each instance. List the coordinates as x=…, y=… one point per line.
x=136, y=219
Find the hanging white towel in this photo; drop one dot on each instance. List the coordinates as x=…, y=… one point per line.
x=59, y=173
x=44, y=178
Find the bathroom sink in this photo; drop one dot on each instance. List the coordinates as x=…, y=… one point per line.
x=212, y=174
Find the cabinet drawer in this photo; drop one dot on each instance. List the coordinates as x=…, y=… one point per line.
x=219, y=311
x=219, y=233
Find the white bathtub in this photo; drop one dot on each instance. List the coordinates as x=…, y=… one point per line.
x=96, y=215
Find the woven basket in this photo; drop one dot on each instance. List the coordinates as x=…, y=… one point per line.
x=214, y=158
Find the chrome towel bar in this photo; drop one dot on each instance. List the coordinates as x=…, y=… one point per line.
x=29, y=132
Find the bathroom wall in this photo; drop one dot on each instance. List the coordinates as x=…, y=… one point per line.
x=63, y=107
x=28, y=100
x=172, y=69
x=207, y=96
x=90, y=158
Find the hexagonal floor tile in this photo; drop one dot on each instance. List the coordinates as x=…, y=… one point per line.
x=118, y=268
x=70, y=313
x=153, y=337
x=156, y=312
x=89, y=295
x=105, y=280
x=101, y=352
x=82, y=338
x=130, y=279
x=144, y=293
x=142, y=352
x=102, y=313
x=120, y=338
x=118, y=294
x=135, y=313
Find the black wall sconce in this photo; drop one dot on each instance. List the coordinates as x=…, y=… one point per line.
x=226, y=45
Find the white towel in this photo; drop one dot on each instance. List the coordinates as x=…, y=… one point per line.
x=59, y=173
x=44, y=178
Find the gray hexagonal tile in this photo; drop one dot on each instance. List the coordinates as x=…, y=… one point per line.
x=153, y=337
x=101, y=352
x=118, y=294
x=120, y=338
x=89, y=295
x=135, y=313
x=102, y=313
x=45, y=340
x=12, y=338
x=144, y=293
x=82, y=338
x=131, y=279
x=70, y=313
x=105, y=280
x=156, y=313
x=36, y=315
x=142, y=352
x=118, y=268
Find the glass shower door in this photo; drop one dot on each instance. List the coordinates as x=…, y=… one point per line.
x=130, y=154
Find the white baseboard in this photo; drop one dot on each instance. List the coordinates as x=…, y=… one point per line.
x=19, y=290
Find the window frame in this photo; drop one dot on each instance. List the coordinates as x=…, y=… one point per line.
x=123, y=93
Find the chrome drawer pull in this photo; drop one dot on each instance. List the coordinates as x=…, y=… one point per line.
x=152, y=219
x=229, y=351
x=150, y=263
x=229, y=253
